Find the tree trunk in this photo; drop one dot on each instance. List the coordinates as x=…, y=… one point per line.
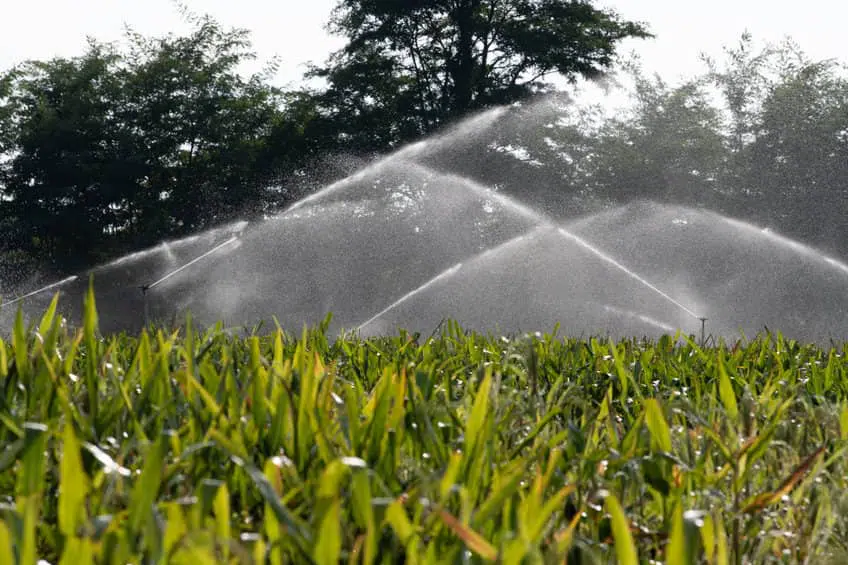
x=463, y=69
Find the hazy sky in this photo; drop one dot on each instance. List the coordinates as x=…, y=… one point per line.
x=293, y=29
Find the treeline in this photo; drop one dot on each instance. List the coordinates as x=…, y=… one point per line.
x=761, y=134
x=159, y=137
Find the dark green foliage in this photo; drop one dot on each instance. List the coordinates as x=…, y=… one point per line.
x=409, y=67
x=118, y=149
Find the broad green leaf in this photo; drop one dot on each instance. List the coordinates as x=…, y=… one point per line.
x=625, y=548
x=683, y=542
x=222, y=512
x=175, y=527
x=328, y=541
x=721, y=554
x=843, y=418
x=725, y=389
x=48, y=317
x=78, y=551
x=4, y=361
x=675, y=551
x=473, y=541
x=657, y=425
x=708, y=538
x=89, y=324
x=474, y=429
x=400, y=523
x=6, y=544
x=364, y=513
x=33, y=459
x=147, y=485
x=73, y=484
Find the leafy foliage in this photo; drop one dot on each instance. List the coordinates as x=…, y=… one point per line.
x=409, y=67
x=123, y=148
x=181, y=446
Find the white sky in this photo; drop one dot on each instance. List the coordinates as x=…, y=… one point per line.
x=293, y=29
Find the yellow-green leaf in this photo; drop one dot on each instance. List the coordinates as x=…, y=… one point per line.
x=73, y=483
x=725, y=389
x=654, y=418
x=625, y=548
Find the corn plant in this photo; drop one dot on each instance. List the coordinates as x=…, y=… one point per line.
x=196, y=446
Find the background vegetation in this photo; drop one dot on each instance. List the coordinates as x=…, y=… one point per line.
x=158, y=137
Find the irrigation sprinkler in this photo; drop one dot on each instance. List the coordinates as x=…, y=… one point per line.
x=703, y=331
x=144, y=288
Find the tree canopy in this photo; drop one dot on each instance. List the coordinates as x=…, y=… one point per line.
x=410, y=66
x=158, y=137
x=118, y=149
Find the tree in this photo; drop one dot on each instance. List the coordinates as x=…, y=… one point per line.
x=799, y=158
x=200, y=128
x=114, y=150
x=410, y=66
x=670, y=146
x=64, y=175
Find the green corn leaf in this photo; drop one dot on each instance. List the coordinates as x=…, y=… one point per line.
x=78, y=551
x=6, y=544
x=721, y=553
x=328, y=541
x=398, y=520
x=625, y=548
x=223, y=529
x=33, y=459
x=46, y=323
x=4, y=360
x=451, y=474
x=725, y=390
x=20, y=348
x=843, y=419
x=364, y=512
x=683, y=542
x=474, y=429
x=147, y=485
x=30, y=486
x=540, y=518
x=708, y=537
x=73, y=484
x=655, y=420
x=508, y=482
x=11, y=453
x=89, y=324
x=175, y=527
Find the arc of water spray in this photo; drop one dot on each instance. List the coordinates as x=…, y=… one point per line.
x=475, y=124
x=190, y=263
x=444, y=274
x=603, y=256
x=450, y=271
x=798, y=247
x=39, y=291
x=543, y=220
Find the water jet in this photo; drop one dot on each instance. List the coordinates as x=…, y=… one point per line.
x=362, y=246
x=39, y=291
